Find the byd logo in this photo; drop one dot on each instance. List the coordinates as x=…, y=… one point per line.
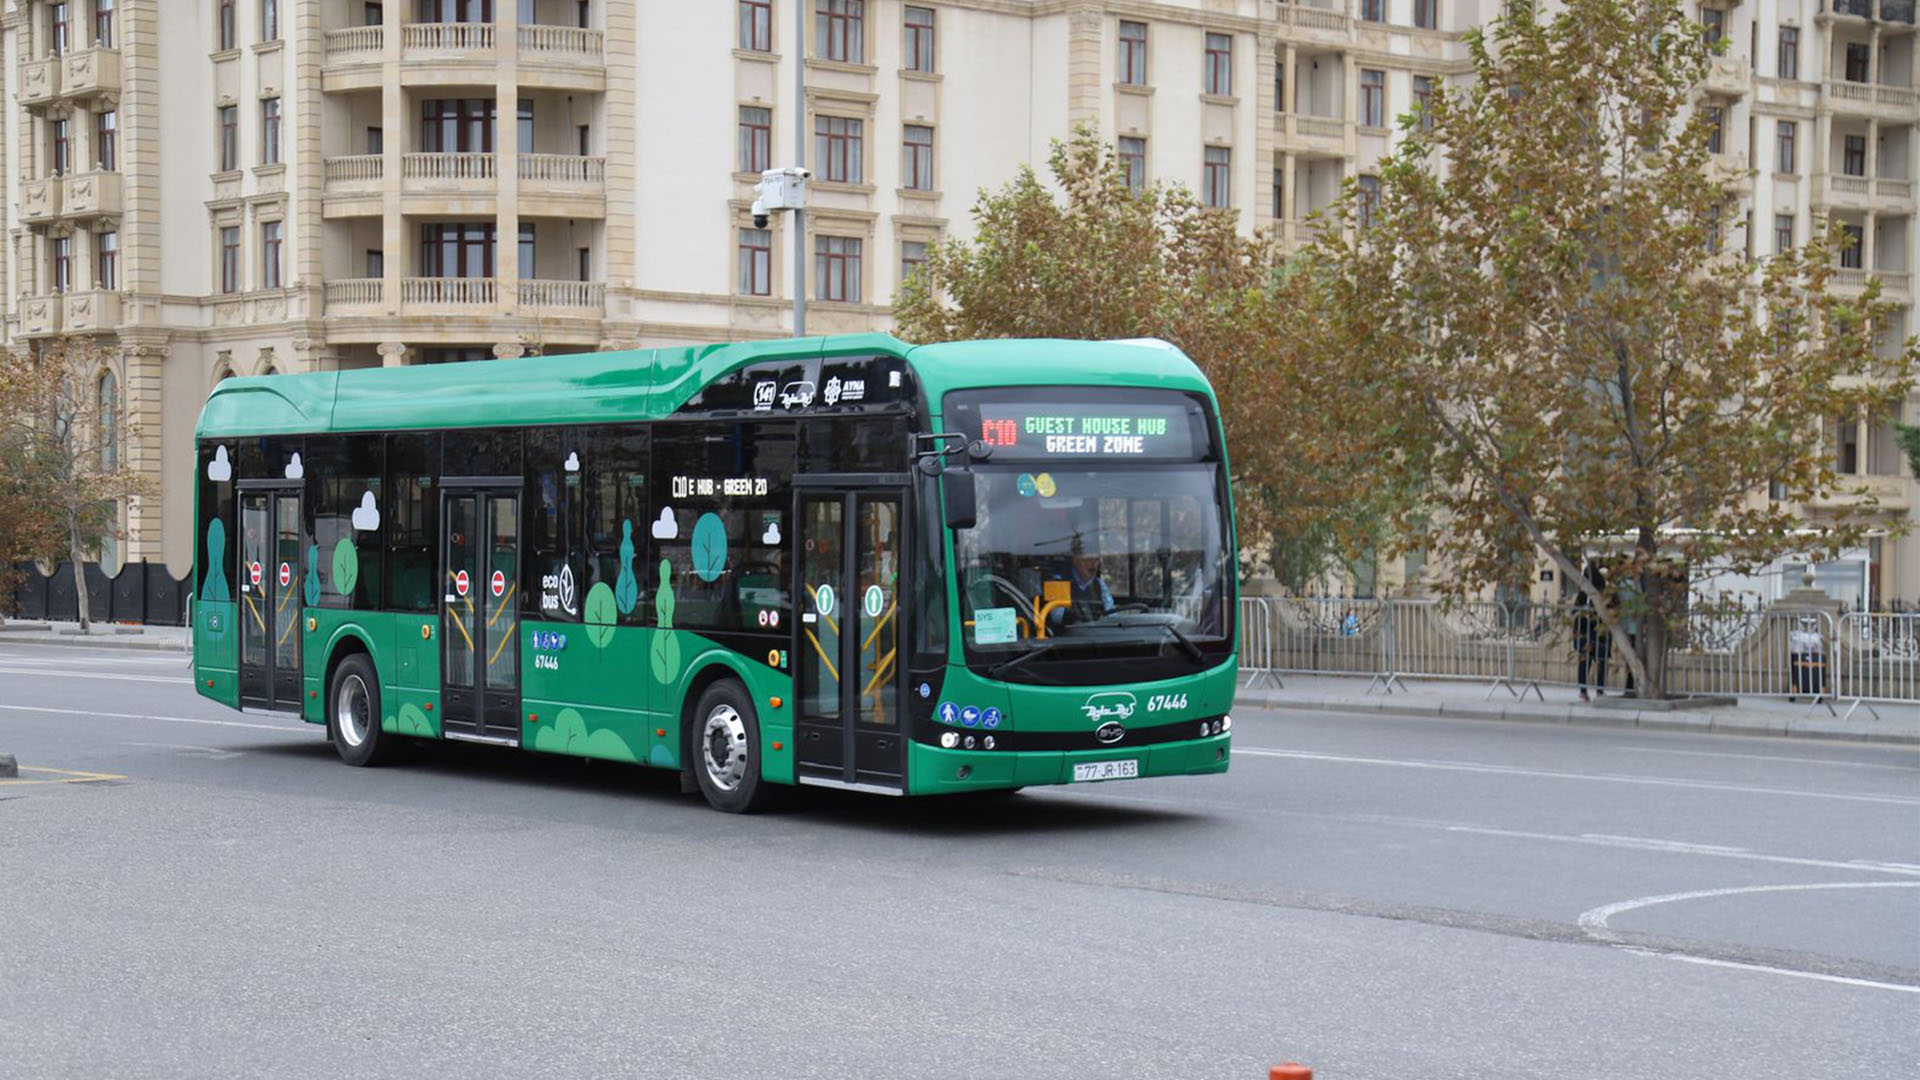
x=1115, y=705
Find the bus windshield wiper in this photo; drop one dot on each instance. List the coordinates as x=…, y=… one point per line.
x=1005, y=666
x=1186, y=643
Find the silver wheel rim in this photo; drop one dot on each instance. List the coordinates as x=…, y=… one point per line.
x=351, y=711
x=723, y=747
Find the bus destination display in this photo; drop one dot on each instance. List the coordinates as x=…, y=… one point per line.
x=1048, y=430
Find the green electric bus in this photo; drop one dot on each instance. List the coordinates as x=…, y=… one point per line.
x=842, y=561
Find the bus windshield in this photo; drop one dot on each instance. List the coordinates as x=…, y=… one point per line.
x=1126, y=560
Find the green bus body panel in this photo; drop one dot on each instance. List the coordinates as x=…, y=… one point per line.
x=619, y=693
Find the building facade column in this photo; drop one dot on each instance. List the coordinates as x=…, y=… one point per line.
x=394, y=140
x=506, y=160
x=392, y=353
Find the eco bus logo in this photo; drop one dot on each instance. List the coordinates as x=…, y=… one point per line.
x=1118, y=705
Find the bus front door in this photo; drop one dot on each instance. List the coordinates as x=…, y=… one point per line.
x=479, y=615
x=270, y=582
x=847, y=639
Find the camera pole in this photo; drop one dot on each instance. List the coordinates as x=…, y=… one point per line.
x=799, y=158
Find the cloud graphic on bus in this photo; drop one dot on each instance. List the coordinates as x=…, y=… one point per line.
x=219, y=470
x=666, y=528
x=295, y=470
x=772, y=536
x=573, y=462
x=367, y=517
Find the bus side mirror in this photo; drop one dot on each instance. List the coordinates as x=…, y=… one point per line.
x=962, y=501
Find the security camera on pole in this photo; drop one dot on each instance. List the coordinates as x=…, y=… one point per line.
x=782, y=190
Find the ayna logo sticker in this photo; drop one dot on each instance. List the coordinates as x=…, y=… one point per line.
x=1113, y=705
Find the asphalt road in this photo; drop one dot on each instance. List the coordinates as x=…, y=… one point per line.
x=1375, y=897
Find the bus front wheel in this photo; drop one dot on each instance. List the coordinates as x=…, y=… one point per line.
x=726, y=749
x=353, y=714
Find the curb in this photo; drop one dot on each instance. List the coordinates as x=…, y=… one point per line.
x=1810, y=727
x=96, y=642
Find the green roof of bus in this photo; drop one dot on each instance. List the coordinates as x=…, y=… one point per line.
x=644, y=384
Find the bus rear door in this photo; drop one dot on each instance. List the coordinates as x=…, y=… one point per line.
x=270, y=581
x=479, y=614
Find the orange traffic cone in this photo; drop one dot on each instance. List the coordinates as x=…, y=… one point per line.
x=1292, y=1070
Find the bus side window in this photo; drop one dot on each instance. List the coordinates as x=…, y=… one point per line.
x=612, y=540
x=553, y=587
x=412, y=521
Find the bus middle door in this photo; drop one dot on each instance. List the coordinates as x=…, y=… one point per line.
x=479, y=614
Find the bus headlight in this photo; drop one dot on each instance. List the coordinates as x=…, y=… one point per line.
x=950, y=739
x=1226, y=723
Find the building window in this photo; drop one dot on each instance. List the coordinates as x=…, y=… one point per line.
x=230, y=258
x=457, y=249
x=1217, y=177
x=1423, y=101
x=836, y=268
x=1220, y=65
x=583, y=264
x=1133, y=53
x=1373, y=99
x=269, y=254
x=756, y=262
x=920, y=39
x=1788, y=64
x=1857, y=54
x=59, y=28
x=270, y=131
x=1715, y=22
x=1426, y=14
x=584, y=139
x=457, y=126
x=756, y=25
x=269, y=20
x=529, y=254
x=1782, y=233
x=1369, y=204
x=756, y=139
x=103, y=24
x=456, y=11
x=373, y=13
x=1783, y=157
x=1133, y=155
x=916, y=157
x=1374, y=11
x=376, y=263
x=1853, y=237
x=1716, y=129
x=226, y=33
x=1853, y=155
x=1279, y=190
x=839, y=149
x=523, y=125
x=60, y=133
x=1280, y=82
x=106, y=260
x=913, y=256
x=106, y=139
x=107, y=400
x=229, y=137
x=839, y=30
x=61, y=249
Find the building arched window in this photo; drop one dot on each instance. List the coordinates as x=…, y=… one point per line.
x=107, y=409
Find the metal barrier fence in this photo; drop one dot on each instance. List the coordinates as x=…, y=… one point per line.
x=1798, y=654
x=141, y=592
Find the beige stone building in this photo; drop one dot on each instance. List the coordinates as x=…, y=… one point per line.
x=215, y=187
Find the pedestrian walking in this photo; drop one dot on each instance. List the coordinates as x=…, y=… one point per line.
x=1592, y=643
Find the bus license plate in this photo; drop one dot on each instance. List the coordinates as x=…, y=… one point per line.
x=1106, y=770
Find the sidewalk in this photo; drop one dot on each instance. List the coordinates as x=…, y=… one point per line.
x=1897, y=723
x=103, y=636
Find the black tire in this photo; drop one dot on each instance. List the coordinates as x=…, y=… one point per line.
x=725, y=745
x=353, y=714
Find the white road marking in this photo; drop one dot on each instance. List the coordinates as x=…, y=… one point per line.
x=37, y=659
x=96, y=675
x=1679, y=847
x=1774, y=757
x=167, y=719
x=1550, y=774
x=1594, y=923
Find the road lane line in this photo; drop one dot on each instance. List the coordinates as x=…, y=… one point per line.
x=67, y=776
x=1550, y=774
x=1774, y=757
x=96, y=675
x=1677, y=847
x=167, y=719
x=1815, y=975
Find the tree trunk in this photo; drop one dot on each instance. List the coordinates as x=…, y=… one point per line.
x=77, y=557
x=1653, y=646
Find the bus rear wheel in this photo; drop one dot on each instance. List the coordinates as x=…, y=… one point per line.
x=726, y=749
x=353, y=714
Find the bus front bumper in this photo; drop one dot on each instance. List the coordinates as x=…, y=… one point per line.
x=932, y=770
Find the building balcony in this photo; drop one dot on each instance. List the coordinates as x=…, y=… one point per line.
x=425, y=295
x=438, y=54
x=40, y=315
x=563, y=185
x=356, y=296
x=1894, y=284
x=93, y=194
x=1324, y=135
x=353, y=57
x=1873, y=99
x=40, y=200
x=90, y=311
x=90, y=73
x=581, y=296
x=1322, y=22
x=448, y=183
x=1842, y=191
x=356, y=176
x=1892, y=11
x=1889, y=190
x=562, y=58
x=1889, y=494
x=1729, y=76
x=39, y=81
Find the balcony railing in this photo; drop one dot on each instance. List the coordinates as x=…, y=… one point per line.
x=97, y=310
x=1313, y=18
x=447, y=37
x=1861, y=8
x=563, y=294
x=91, y=193
x=562, y=41
x=456, y=167
x=1326, y=127
x=1851, y=91
x=89, y=72
x=1897, y=281
x=355, y=292
x=1893, y=189
x=359, y=168
x=563, y=169
x=40, y=199
x=40, y=315
x=39, y=81
x=354, y=43
x=448, y=292
x=1900, y=97
x=1849, y=185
